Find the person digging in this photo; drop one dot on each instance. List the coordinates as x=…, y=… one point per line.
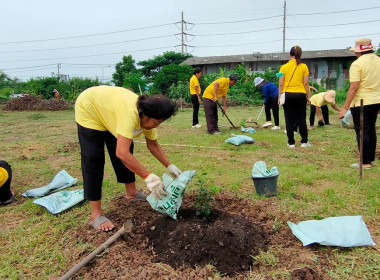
x=113, y=116
x=318, y=103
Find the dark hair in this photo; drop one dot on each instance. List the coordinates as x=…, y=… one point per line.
x=296, y=51
x=158, y=107
x=196, y=71
x=234, y=77
x=369, y=51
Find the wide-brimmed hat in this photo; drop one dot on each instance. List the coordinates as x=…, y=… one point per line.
x=330, y=96
x=362, y=45
x=258, y=80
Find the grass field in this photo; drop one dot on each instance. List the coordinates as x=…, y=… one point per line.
x=314, y=183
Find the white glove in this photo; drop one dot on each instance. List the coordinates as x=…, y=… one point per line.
x=174, y=170
x=155, y=185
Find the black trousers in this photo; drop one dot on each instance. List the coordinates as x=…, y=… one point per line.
x=295, y=116
x=5, y=190
x=272, y=104
x=369, y=130
x=325, y=114
x=195, y=102
x=93, y=159
x=211, y=112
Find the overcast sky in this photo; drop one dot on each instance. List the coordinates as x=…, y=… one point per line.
x=86, y=38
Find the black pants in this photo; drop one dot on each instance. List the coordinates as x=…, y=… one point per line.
x=93, y=159
x=195, y=101
x=325, y=114
x=295, y=116
x=211, y=112
x=369, y=130
x=272, y=104
x=5, y=190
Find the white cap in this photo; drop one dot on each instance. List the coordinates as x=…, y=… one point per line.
x=258, y=80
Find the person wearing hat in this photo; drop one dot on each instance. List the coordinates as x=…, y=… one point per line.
x=270, y=93
x=318, y=103
x=6, y=195
x=217, y=89
x=364, y=84
x=195, y=91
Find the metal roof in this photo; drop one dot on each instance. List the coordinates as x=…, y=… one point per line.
x=267, y=57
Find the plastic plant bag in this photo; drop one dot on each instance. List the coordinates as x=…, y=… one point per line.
x=247, y=129
x=175, y=189
x=239, y=139
x=346, y=231
x=60, y=201
x=61, y=180
x=259, y=170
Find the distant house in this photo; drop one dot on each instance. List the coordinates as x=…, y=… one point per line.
x=331, y=64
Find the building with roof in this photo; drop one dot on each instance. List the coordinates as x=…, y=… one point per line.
x=323, y=64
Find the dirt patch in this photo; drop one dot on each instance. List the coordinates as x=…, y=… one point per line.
x=233, y=245
x=34, y=103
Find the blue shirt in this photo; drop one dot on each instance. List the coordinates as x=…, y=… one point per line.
x=269, y=90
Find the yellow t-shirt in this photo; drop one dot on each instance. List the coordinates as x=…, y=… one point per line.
x=224, y=85
x=366, y=70
x=3, y=176
x=319, y=100
x=112, y=109
x=194, y=82
x=296, y=82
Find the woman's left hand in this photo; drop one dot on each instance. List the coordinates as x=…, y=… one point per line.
x=174, y=170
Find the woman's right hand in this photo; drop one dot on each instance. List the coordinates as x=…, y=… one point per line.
x=155, y=185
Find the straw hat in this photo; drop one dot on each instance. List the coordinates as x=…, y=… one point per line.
x=362, y=45
x=330, y=96
x=258, y=80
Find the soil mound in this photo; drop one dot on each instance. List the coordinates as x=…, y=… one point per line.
x=227, y=241
x=34, y=103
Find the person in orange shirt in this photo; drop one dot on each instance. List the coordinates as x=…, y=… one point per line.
x=56, y=94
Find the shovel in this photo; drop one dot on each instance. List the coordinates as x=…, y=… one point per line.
x=262, y=108
x=224, y=113
x=127, y=227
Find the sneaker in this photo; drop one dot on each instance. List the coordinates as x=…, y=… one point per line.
x=216, y=132
x=276, y=127
x=198, y=125
x=311, y=127
x=291, y=146
x=267, y=124
x=306, y=145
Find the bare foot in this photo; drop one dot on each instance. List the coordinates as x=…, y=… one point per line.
x=107, y=225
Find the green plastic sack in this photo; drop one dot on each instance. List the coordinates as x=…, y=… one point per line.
x=259, y=170
x=60, y=201
x=175, y=189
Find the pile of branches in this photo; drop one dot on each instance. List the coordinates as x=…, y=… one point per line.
x=34, y=103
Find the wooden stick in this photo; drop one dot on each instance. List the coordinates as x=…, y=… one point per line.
x=361, y=139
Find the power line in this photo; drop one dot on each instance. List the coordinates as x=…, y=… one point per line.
x=335, y=12
x=89, y=35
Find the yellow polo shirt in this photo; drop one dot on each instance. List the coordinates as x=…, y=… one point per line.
x=3, y=176
x=112, y=109
x=194, y=82
x=296, y=82
x=224, y=85
x=366, y=70
x=319, y=100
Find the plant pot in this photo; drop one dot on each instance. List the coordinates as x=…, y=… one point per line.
x=266, y=185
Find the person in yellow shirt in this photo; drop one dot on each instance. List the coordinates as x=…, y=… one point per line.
x=113, y=116
x=364, y=84
x=217, y=89
x=318, y=103
x=6, y=195
x=195, y=91
x=294, y=83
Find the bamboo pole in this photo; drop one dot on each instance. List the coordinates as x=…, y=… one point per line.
x=361, y=139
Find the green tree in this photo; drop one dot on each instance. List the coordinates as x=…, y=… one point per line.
x=152, y=67
x=171, y=74
x=133, y=80
x=126, y=66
